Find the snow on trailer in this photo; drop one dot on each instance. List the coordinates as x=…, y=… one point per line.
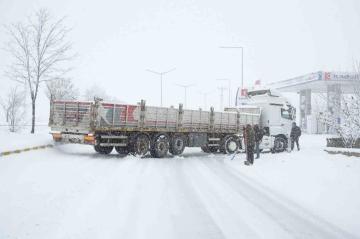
x=139, y=129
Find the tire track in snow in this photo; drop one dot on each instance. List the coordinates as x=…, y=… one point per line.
x=95, y=211
x=293, y=219
x=236, y=216
x=191, y=219
x=221, y=203
x=165, y=206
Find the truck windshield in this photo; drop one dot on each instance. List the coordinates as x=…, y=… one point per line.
x=258, y=92
x=287, y=113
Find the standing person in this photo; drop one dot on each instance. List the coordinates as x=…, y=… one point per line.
x=244, y=136
x=258, y=138
x=250, y=143
x=295, y=135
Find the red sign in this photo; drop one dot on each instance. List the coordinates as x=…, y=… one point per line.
x=244, y=92
x=327, y=76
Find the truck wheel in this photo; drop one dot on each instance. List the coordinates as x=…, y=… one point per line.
x=160, y=146
x=280, y=144
x=205, y=149
x=122, y=150
x=229, y=145
x=140, y=145
x=97, y=148
x=177, y=144
x=103, y=149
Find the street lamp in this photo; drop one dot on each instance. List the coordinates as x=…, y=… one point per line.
x=222, y=97
x=205, y=94
x=242, y=61
x=161, y=81
x=185, y=91
x=229, y=82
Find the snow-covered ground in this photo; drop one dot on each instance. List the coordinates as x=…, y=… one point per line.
x=22, y=139
x=71, y=192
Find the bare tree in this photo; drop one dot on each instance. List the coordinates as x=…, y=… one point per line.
x=96, y=91
x=40, y=50
x=62, y=89
x=347, y=124
x=14, y=109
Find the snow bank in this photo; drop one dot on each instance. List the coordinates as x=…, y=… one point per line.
x=336, y=149
x=23, y=139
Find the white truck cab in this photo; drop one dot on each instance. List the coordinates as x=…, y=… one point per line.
x=277, y=115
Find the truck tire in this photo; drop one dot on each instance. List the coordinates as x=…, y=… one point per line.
x=140, y=145
x=205, y=149
x=160, y=146
x=177, y=144
x=280, y=144
x=122, y=150
x=97, y=148
x=103, y=149
x=229, y=145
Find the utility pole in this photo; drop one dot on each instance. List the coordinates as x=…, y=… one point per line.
x=205, y=94
x=161, y=81
x=221, y=97
x=185, y=92
x=229, y=85
x=242, y=61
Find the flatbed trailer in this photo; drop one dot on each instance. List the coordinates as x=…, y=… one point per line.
x=139, y=129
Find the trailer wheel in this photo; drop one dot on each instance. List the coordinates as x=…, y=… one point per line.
x=160, y=146
x=229, y=145
x=177, y=144
x=97, y=148
x=140, y=145
x=205, y=149
x=103, y=149
x=122, y=150
x=280, y=144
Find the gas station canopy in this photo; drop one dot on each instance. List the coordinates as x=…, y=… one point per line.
x=334, y=84
x=318, y=82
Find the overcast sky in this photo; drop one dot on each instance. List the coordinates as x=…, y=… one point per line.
x=118, y=40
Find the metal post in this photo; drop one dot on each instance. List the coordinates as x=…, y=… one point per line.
x=242, y=61
x=161, y=81
x=205, y=94
x=161, y=89
x=242, y=68
x=229, y=84
x=185, y=92
x=221, y=97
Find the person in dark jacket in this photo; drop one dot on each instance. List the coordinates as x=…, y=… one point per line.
x=250, y=143
x=295, y=135
x=244, y=136
x=259, y=133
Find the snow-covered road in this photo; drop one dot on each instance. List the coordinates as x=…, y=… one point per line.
x=71, y=192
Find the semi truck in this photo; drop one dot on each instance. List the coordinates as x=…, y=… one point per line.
x=276, y=118
x=140, y=129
